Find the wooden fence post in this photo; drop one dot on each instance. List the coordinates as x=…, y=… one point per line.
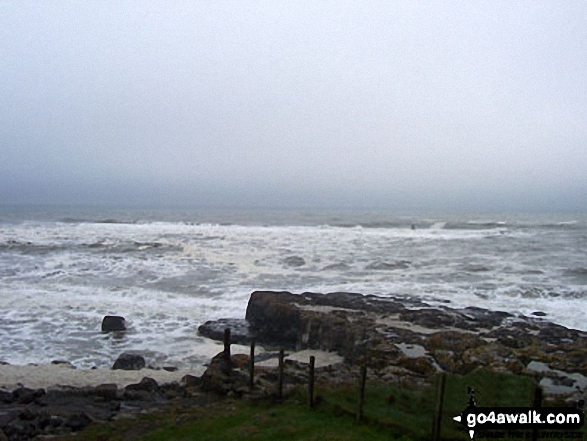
x=311, y=383
x=437, y=420
x=280, y=380
x=252, y=366
x=227, y=361
x=362, y=382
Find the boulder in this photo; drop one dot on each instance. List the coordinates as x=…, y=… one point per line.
x=146, y=384
x=275, y=318
x=129, y=362
x=112, y=323
x=190, y=381
x=222, y=379
x=239, y=330
x=107, y=391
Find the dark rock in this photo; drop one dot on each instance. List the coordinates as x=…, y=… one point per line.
x=56, y=421
x=6, y=397
x=386, y=266
x=539, y=314
x=294, y=261
x=274, y=318
x=44, y=420
x=138, y=395
x=78, y=421
x=108, y=391
x=190, y=381
x=129, y=362
x=173, y=391
x=24, y=395
x=170, y=368
x=221, y=379
x=63, y=363
x=112, y=323
x=20, y=430
x=556, y=334
x=239, y=330
x=367, y=329
x=28, y=414
x=146, y=384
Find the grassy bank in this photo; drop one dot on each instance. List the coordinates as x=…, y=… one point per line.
x=391, y=413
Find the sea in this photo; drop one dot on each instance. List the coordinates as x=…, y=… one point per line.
x=167, y=271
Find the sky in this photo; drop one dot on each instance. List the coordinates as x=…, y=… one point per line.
x=441, y=105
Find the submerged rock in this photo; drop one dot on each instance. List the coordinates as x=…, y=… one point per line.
x=294, y=261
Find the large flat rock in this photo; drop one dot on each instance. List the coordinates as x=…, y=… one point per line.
x=408, y=333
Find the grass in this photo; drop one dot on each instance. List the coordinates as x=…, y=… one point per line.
x=391, y=413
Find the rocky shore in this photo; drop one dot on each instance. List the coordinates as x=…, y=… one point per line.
x=404, y=339
x=401, y=340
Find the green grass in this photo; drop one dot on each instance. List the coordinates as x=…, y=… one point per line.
x=391, y=413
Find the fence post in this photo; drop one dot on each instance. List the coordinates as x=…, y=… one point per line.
x=362, y=382
x=227, y=361
x=252, y=366
x=311, y=383
x=437, y=421
x=280, y=380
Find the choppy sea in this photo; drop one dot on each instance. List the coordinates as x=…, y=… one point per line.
x=168, y=271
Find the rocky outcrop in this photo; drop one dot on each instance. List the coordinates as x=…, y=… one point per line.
x=223, y=379
x=408, y=336
x=38, y=413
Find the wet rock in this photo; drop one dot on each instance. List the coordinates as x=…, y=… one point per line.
x=129, y=362
x=367, y=329
x=389, y=266
x=112, y=323
x=557, y=334
x=239, y=330
x=63, y=363
x=294, y=261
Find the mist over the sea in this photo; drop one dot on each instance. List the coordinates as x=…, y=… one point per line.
x=417, y=105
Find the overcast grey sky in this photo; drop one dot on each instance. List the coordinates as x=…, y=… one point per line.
x=477, y=105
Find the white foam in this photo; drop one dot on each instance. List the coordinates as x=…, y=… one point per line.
x=162, y=273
